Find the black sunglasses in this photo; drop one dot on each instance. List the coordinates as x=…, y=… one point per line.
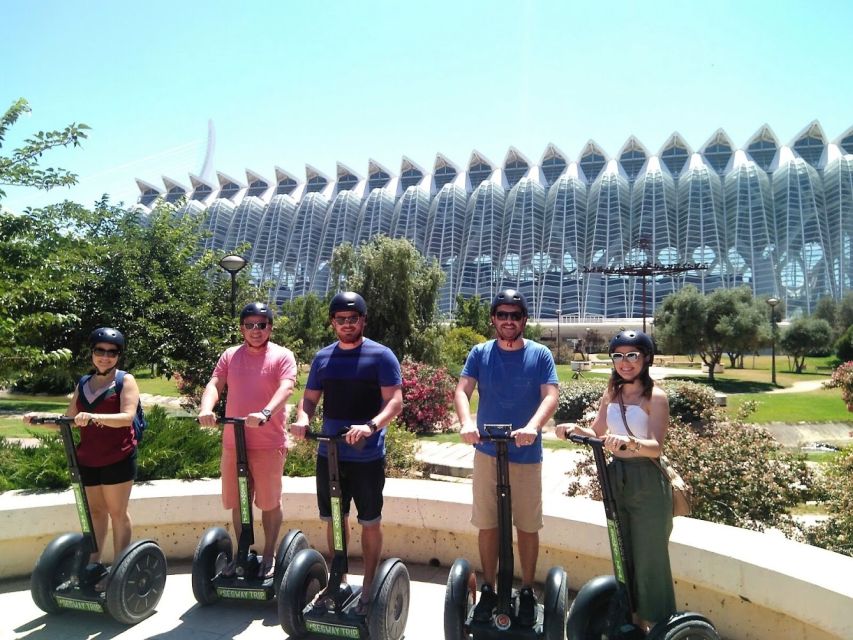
x=342, y=320
x=255, y=325
x=106, y=353
x=509, y=315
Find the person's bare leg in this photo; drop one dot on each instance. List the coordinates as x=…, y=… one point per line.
x=489, y=544
x=117, y=499
x=371, y=550
x=528, y=555
x=100, y=518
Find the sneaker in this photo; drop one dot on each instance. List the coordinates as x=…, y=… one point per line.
x=526, y=607
x=488, y=601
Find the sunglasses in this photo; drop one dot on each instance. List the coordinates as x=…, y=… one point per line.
x=255, y=325
x=631, y=356
x=509, y=315
x=342, y=320
x=106, y=353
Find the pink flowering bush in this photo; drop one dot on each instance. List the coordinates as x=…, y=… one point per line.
x=427, y=397
x=842, y=378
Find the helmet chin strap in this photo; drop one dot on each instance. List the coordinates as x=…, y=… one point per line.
x=107, y=372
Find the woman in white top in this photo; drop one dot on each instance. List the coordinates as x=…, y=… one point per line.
x=634, y=414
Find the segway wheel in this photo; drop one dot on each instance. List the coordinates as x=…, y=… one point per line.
x=54, y=566
x=591, y=612
x=556, y=603
x=212, y=554
x=685, y=626
x=294, y=542
x=304, y=578
x=136, y=582
x=458, y=597
x=389, y=602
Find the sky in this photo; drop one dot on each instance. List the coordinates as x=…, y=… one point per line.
x=293, y=83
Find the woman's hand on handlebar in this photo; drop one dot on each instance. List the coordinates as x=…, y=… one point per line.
x=298, y=431
x=616, y=442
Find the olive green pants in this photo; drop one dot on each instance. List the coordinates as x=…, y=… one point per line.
x=644, y=504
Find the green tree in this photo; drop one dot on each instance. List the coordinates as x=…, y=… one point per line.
x=303, y=326
x=473, y=313
x=401, y=290
x=21, y=168
x=746, y=329
x=726, y=320
x=806, y=337
x=845, y=312
x=827, y=309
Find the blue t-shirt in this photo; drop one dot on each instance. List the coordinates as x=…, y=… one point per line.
x=509, y=383
x=350, y=381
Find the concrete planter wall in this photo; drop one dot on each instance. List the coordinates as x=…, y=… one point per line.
x=752, y=585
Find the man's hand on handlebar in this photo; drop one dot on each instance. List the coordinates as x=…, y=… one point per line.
x=255, y=420
x=298, y=431
x=356, y=433
x=207, y=418
x=469, y=433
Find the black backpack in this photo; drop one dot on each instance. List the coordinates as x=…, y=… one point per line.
x=139, y=421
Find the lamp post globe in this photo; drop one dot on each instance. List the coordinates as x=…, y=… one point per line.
x=233, y=263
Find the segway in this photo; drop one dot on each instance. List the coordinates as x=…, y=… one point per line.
x=64, y=579
x=214, y=551
x=333, y=612
x=460, y=595
x=604, y=606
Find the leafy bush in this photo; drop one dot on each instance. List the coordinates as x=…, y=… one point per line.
x=177, y=448
x=41, y=467
x=739, y=474
x=427, y=397
x=456, y=345
x=836, y=533
x=844, y=345
x=842, y=378
x=689, y=402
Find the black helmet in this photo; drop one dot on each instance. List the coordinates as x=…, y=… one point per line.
x=108, y=335
x=631, y=338
x=509, y=296
x=348, y=301
x=256, y=309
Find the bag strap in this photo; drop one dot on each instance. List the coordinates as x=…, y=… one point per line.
x=656, y=461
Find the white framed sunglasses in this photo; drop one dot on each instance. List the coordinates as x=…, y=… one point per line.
x=631, y=356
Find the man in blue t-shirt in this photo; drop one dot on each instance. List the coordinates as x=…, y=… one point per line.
x=360, y=383
x=517, y=383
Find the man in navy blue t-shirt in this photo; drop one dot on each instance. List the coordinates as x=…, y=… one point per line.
x=360, y=383
x=517, y=383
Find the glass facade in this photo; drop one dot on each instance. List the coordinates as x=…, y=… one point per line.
x=777, y=218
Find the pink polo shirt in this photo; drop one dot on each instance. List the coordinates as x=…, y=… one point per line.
x=251, y=380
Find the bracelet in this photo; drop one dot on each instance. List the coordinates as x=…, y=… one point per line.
x=637, y=445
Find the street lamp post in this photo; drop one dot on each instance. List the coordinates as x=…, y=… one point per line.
x=559, y=313
x=233, y=264
x=772, y=302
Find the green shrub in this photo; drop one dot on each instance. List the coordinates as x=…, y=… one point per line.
x=577, y=398
x=456, y=345
x=41, y=467
x=690, y=402
x=836, y=533
x=177, y=448
x=844, y=345
x=400, y=448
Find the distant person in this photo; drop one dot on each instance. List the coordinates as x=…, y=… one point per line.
x=260, y=376
x=634, y=413
x=107, y=450
x=360, y=383
x=517, y=382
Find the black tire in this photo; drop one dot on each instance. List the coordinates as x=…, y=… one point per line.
x=305, y=577
x=213, y=551
x=136, y=582
x=588, y=618
x=458, y=597
x=555, y=605
x=685, y=626
x=389, y=601
x=53, y=567
x=294, y=542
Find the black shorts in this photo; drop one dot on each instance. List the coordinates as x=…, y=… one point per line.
x=114, y=473
x=362, y=482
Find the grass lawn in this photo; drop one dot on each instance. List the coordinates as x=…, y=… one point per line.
x=21, y=403
x=822, y=405
x=156, y=385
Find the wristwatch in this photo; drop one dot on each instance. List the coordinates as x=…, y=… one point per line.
x=267, y=413
x=370, y=423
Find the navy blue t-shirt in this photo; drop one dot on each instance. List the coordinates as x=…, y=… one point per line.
x=350, y=381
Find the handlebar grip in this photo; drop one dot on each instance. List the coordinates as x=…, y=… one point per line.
x=590, y=441
x=52, y=420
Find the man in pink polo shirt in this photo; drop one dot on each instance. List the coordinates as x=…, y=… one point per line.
x=260, y=376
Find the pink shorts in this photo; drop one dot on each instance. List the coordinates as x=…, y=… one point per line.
x=265, y=470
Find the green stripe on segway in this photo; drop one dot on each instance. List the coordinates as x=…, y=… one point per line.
x=618, y=565
x=78, y=605
x=332, y=629
x=244, y=499
x=337, y=524
x=242, y=594
x=81, y=507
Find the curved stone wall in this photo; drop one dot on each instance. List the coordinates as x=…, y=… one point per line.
x=752, y=585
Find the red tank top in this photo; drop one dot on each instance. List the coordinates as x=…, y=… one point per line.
x=100, y=445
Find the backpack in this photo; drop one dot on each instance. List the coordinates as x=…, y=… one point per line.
x=139, y=421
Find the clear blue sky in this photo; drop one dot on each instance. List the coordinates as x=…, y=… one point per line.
x=290, y=83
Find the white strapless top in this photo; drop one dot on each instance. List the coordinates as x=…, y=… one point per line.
x=637, y=419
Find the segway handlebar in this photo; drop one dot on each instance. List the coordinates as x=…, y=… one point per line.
x=340, y=437
x=589, y=441
x=496, y=432
x=53, y=420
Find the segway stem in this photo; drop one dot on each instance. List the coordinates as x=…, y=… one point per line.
x=247, y=529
